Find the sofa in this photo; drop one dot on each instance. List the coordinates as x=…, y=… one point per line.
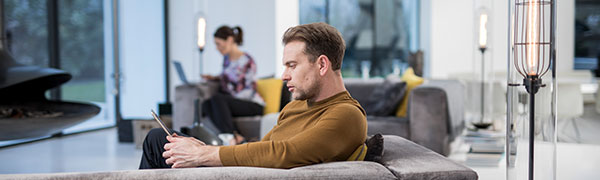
x=434, y=117
x=273, y=91
x=402, y=159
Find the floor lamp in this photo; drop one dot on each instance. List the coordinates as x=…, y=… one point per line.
x=198, y=130
x=483, y=37
x=532, y=55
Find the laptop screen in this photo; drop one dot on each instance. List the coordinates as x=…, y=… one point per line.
x=180, y=72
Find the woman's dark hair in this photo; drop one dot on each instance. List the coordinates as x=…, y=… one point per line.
x=225, y=31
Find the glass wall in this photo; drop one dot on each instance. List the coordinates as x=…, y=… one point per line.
x=587, y=35
x=27, y=33
x=81, y=42
x=380, y=34
x=80, y=45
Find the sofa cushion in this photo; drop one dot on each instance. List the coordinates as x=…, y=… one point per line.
x=412, y=81
x=360, y=89
x=270, y=91
x=384, y=99
x=335, y=170
x=408, y=160
x=375, y=151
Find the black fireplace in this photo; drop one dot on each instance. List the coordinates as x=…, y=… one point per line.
x=24, y=110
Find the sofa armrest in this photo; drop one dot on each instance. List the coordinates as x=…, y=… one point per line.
x=455, y=94
x=428, y=116
x=436, y=114
x=408, y=160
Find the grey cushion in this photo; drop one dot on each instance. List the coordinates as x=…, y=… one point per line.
x=385, y=98
x=335, y=170
x=360, y=89
x=408, y=160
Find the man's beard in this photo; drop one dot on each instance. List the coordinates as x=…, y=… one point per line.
x=309, y=93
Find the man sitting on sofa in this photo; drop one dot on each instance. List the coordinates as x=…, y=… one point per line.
x=323, y=123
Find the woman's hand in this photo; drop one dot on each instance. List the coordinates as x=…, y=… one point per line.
x=184, y=152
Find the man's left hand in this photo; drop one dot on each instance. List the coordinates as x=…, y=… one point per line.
x=182, y=152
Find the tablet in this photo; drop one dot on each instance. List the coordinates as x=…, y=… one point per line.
x=161, y=123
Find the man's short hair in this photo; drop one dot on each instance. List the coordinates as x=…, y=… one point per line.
x=320, y=39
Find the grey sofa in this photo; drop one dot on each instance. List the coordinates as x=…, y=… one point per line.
x=434, y=117
x=402, y=159
x=183, y=108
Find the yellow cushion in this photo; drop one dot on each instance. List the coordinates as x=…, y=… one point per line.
x=359, y=154
x=270, y=91
x=412, y=81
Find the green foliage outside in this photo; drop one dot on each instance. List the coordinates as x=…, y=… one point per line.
x=81, y=42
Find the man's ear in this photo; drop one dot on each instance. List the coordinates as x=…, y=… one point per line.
x=324, y=64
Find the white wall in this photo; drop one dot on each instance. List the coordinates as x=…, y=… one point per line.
x=263, y=23
x=287, y=14
x=452, y=40
x=141, y=40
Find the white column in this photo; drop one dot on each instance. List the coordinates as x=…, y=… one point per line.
x=286, y=15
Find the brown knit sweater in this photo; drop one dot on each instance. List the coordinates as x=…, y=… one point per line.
x=306, y=133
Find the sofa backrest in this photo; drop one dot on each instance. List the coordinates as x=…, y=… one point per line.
x=360, y=89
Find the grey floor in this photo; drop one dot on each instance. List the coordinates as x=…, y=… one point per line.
x=85, y=152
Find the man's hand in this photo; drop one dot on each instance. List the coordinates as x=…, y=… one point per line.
x=184, y=152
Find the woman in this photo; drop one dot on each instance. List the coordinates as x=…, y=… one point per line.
x=237, y=94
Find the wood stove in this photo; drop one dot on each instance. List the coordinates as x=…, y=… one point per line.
x=24, y=110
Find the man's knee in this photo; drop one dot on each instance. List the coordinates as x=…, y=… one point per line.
x=155, y=134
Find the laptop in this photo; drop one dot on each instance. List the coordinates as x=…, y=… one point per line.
x=180, y=72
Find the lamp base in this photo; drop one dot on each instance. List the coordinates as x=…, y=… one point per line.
x=482, y=125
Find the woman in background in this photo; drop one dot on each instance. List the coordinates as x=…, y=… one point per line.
x=237, y=94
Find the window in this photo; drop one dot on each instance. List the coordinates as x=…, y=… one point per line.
x=68, y=35
x=81, y=49
x=27, y=33
x=587, y=34
x=381, y=33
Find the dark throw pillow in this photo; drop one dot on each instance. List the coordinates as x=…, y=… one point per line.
x=385, y=99
x=374, y=148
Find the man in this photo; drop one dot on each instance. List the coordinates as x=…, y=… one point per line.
x=323, y=123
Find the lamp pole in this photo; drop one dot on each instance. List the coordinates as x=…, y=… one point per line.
x=532, y=85
x=482, y=49
x=483, y=20
x=533, y=50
